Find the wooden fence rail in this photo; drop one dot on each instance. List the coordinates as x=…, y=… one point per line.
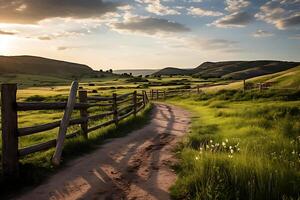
x=120, y=107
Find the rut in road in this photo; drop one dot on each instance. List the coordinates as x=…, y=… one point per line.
x=137, y=166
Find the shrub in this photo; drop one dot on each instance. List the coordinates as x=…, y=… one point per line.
x=36, y=98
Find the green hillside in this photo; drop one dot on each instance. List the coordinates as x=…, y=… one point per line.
x=236, y=70
x=285, y=79
x=44, y=67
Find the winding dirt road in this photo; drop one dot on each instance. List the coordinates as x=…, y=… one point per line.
x=133, y=167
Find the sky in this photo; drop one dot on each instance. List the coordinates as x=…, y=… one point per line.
x=151, y=34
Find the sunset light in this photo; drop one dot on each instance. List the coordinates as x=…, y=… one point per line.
x=150, y=99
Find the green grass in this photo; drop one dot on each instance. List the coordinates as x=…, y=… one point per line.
x=239, y=150
x=286, y=79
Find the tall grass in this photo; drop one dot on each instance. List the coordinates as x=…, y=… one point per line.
x=240, y=150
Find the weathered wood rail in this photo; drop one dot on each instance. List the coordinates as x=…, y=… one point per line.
x=157, y=94
x=118, y=109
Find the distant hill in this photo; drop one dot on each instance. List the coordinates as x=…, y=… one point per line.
x=136, y=72
x=173, y=71
x=45, y=67
x=232, y=69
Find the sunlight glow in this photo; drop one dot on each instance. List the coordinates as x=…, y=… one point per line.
x=4, y=45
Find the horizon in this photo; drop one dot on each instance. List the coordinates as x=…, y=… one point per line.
x=145, y=34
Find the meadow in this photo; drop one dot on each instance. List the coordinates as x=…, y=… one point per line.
x=36, y=167
x=239, y=148
x=242, y=144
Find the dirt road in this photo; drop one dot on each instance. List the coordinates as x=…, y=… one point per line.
x=133, y=167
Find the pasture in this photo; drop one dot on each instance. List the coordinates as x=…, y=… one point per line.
x=241, y=143
x=239, y=149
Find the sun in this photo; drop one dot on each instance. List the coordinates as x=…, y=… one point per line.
x=4, y=45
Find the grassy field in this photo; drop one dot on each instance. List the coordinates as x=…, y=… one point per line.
x=37, y=89
x=247, y=149
x=241, y=145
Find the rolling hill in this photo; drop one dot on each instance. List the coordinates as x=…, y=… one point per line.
x=44, y=67
x=173, y=71
x=285, y=79
x=232, y=69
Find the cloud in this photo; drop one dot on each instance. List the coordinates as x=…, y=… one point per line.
x=262, y=33
x=149, y=25
x=64, y=34
x=237, y=19
x=236, y=5
x=290, y=21
x=62, y=48
x=295, y=37
x=2, y=32
x=156, y=7
x=219, y=44
x=281, y=13
x=33, y=11
x=202, y=12
x=207, y=44
x=45, y=37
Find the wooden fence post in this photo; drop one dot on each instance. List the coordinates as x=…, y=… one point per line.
x=152, y=94
x=157, y=95
x=146, y=96
x=198, y=89
x=64, y=124
x=134, y=102
x=10, y=162
x=144, y=99
x=84, y=113
x=260, y=87
x=115, y=108
x=244, y=83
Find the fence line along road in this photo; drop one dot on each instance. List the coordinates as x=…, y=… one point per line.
x=118, y=110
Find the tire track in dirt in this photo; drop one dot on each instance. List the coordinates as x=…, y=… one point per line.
x=137, y=166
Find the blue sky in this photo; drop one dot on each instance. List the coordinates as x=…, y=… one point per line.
x=151, y=33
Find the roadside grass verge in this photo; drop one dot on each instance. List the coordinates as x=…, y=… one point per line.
x=239, y=150
x=34, y=168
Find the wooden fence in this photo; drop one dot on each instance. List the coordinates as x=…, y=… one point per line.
x=155, y=94
x=10, y=132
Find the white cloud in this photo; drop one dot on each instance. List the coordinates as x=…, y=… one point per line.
x=156, y=7
x=262, y=33
x=202, y=12
x=236, y=5
x=281, y=13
